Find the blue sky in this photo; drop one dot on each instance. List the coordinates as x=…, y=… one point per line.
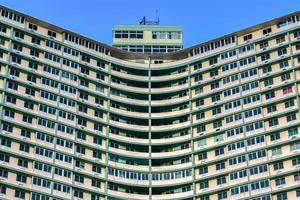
x=201, y=20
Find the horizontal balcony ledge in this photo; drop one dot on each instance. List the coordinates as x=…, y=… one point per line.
x=161, y=183
x=171, y=154
x=169, y=101
x=132, y=154
x=129, y=101
x=170, y=140
x=169, y=89
x=170, y=114
x=129, y=126
x=168, y=77
x=129, y=113
x=129, y=139
x=130, y=76
x=130, y=88
x=171, y=167
x=142, y=168
x=127, y=181
x=123, y=195
x=170, y=126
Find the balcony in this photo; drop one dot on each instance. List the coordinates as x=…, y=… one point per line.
x=129, y=76
x=170, y=140
x=171, y=167
x=169, y=89
x=172, y=181
x=129, y=101
x=129, y=126
x=175, y=153
x=123, y=195
x=169, y=101
x=129, y=113
x=133, y=154
x=127, y=167
x=168, y=77
x=170, y=114
x=127, y=181
x=129, y=139
x=170, y=126
x=130, y=88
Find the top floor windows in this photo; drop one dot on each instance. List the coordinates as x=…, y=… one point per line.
x=85, y=43
x=166, y=35
x=129, y=34
x=289, y=21
x=12, y=16
x=213, y=45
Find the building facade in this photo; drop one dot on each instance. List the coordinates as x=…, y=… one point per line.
x=147, y=38
x=84, y=120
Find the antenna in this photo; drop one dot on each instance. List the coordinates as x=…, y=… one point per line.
x=156, y=16
x=145, y=22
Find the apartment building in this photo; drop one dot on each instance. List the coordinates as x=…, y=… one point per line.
x=83, y=120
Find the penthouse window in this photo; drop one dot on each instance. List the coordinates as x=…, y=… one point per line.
x=166, y=35
x=129, y=34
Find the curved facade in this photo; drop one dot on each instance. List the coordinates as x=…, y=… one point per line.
x=83, y=120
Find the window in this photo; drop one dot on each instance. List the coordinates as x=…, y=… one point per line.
x=20, y=194
x=78, y=194
x=264, y=45
x=203, y=170
x=265, y=56
x=281, y=52
x=219, y=151
x=267, y=69
x=276, y=151
x=285, y=77
x=280, y=39
x=287, y=90
x=247, y=37
x=19, y=35
x=278, y=165
x=268, y=82
x=271, y=108
x=220, y=166
x=222, y=196
x=297, y=177
x=35, y=41
x=279, y=181
x=32, y=26
x=202, y=156
x=51, y=34
x=221, y=180
x=23, y=163
x=275, y=136
x=267, y=31
x=270, y=95
x=21, y=178
x=289, y=103
x=213, y=61
x=203, y=184
x=291, y=117
x=24, y=148
x=293, y=132
x=27, y=119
